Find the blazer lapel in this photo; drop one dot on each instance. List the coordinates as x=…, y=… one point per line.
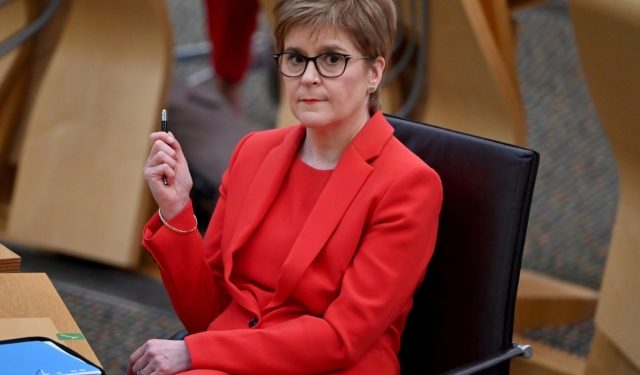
x=345, y=182
x=263, y=190
x=265, y=186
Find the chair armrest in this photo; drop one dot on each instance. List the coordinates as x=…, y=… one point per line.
x=516, y=350
x=180, y=335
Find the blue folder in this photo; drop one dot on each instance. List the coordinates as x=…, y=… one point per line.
x=42, y=357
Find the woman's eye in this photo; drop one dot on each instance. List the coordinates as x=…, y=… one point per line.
x=295, y=59
x=332, y=58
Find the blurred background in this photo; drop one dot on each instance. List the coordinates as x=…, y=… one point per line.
x=79, y=97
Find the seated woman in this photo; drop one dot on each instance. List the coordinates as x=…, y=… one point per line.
x=322, y=231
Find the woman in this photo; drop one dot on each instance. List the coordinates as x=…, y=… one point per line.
x=322, y=231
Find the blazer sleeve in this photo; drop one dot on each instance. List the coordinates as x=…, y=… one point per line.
x=376, y=290
x=191, y=269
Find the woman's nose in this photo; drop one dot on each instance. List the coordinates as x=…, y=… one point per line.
x=310, y=75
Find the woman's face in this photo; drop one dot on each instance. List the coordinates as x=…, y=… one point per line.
x=325, y=103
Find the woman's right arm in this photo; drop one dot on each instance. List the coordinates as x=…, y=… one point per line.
x=192, y=282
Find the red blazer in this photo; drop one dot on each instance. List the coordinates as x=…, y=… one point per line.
x=346, y=287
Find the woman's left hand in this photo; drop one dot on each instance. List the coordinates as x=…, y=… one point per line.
x=159, y=357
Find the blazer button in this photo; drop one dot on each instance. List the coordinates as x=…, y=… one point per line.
x=253, y=322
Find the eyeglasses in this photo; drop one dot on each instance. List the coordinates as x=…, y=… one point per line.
x=328, y=65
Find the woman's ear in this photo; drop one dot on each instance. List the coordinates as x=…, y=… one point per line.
x=377, y=68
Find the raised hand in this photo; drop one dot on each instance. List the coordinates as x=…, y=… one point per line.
x=167, y=162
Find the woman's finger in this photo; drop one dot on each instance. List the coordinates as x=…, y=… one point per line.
x=134, y=360
x=167, y=138
x=173, y=142
x=157, y=172
x=161, y=158
x=162, y=146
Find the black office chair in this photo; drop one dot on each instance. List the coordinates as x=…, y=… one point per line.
x=462, y=320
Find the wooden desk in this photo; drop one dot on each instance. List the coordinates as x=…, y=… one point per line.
x=9, y=261
x=31, y=295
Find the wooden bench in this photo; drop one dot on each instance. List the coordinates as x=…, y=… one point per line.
x=9, y=261
x=608, y=39
x=79, y=187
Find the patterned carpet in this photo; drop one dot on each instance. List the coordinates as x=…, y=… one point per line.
x=115, y=327
x=576, y=190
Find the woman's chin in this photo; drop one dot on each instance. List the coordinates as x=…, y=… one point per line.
x=312, y=119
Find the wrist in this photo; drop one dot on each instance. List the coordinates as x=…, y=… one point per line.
x=182, y=224
x=170, y=212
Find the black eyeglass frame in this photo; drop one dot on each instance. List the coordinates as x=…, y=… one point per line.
x=346, y=57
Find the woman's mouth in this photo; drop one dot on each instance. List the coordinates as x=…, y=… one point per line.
x=310, y=100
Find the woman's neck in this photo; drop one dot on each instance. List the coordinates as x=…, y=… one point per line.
x=322, y=147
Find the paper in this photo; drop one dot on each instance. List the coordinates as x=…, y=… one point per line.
x=41, y=357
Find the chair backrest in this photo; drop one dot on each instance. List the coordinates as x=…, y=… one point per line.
x=464, y=309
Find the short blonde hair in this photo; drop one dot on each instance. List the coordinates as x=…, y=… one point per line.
x=371, y=24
